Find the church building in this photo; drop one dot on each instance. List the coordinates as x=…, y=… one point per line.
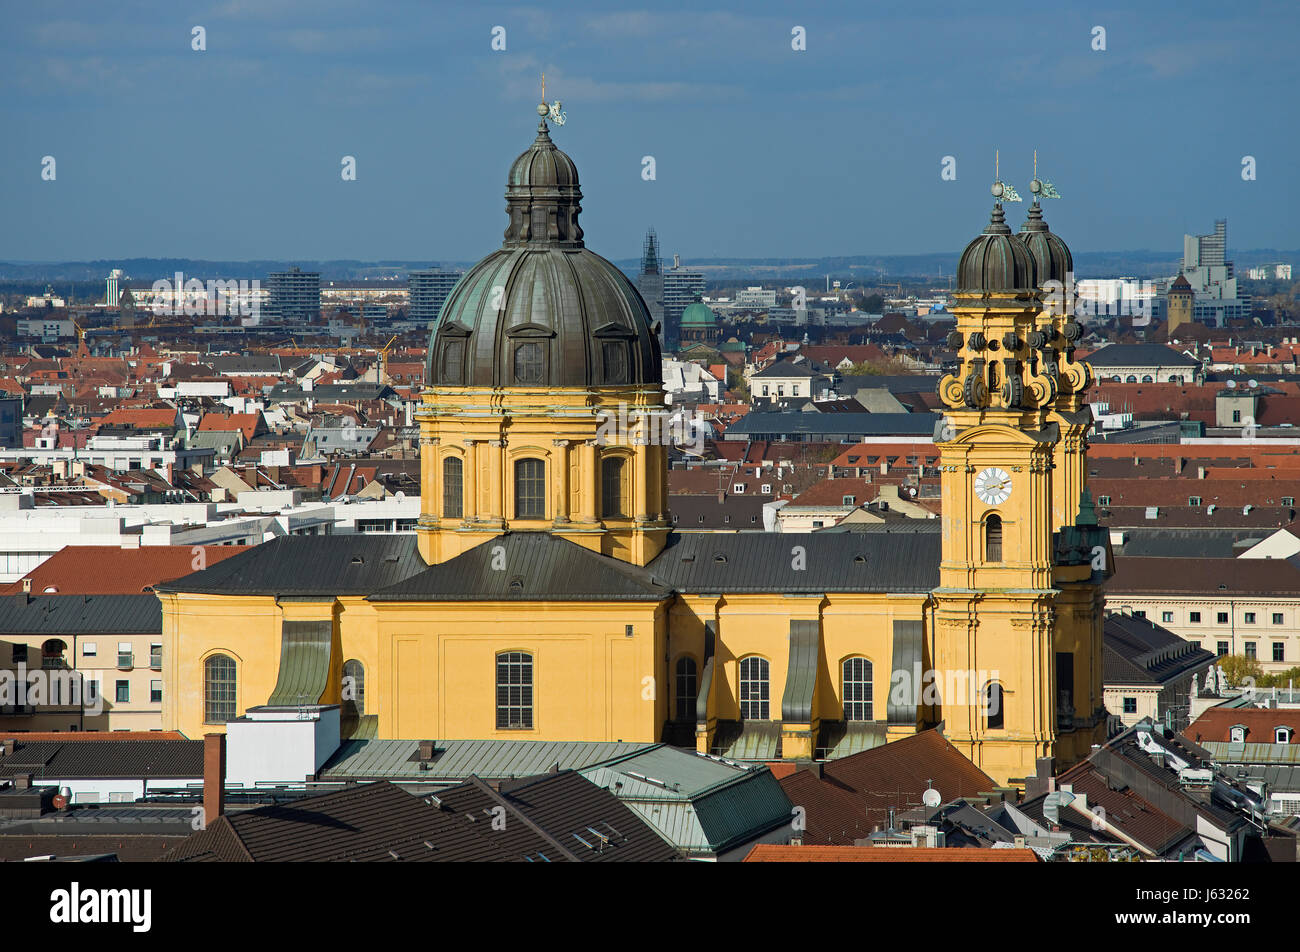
x=546, y=596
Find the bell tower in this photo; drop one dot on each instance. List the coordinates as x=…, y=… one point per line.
x=994, y=608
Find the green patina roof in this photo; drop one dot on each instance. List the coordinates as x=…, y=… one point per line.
x=698, y=314
x=304, y=663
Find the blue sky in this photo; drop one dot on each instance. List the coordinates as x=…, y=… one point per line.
x=234, y=152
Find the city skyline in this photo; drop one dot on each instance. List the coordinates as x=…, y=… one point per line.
x=760, y=150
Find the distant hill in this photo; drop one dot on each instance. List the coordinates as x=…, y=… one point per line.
x=859, y=269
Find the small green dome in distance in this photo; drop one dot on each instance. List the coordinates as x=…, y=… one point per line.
x=698, y=314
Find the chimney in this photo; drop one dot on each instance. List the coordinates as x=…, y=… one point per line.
x=214, y=777
x=22, y=781
x=27, y=586
x=426, y=749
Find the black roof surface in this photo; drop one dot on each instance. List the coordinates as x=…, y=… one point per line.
x=528, y=566
x=766, y=562
x=85, y=759
x=79, y=614
x=381, y=822
x=309, y=565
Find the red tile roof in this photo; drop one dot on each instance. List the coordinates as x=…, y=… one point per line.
x=112, y=570
x=1216, y=724
x=247, y=423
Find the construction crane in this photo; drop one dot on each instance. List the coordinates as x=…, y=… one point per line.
x=382, y=371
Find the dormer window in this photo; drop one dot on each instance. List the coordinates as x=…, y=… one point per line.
x=528, y=362
x=1237, y=733
x=1281, y=735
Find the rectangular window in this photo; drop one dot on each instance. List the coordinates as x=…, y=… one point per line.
x=1222, y=649
x=1236, y=416
x=155, y=692
x=1130, y=705
x=1194, y=617
x=530, y=489
x=1288, y=500
x=1140, y=613
x=1250, y=618
x=1166, y=616
x=123, y=692
x=155, y=656
x=89, y=649
x=1193, y=500
x=1279, y=651
x=514, y=691
x=20, y=654
x=1250, y=650
x=1222, y=618
x=1277, y=618
x=1103, y=500
x=125, y=656
x=528, y=362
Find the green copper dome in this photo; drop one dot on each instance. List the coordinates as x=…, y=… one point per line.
x=699, y=314
x=543, y=310
x=996, y=260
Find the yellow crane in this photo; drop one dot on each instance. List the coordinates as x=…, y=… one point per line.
x=383, y=361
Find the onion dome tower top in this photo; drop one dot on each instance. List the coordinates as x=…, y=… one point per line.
x=995, y=260
x=1052, y=257
x=543, y=310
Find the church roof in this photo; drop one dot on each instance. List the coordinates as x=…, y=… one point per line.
x=308, y=565
x=537, y=567
x=767, y=562
x=996, y=261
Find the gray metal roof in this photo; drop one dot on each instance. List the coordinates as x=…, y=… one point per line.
x=1139, y=355
x=700, y=804
x=309, y=565
x=80, y=614
x=537, y=567
x=769, y=562
x=455, y=760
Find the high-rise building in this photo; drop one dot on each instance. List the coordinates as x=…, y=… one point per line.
x=682, y=287
x=113, y=293
x=293, y=295
x=429, y=289
x=1207, y=251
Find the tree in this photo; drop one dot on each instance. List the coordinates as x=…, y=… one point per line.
x=1237, y=668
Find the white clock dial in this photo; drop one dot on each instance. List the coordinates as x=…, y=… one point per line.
x=993, y=486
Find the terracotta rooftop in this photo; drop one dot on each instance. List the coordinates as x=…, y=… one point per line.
x=112, y=570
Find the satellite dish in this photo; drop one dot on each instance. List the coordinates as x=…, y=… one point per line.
x=931, y=798
x=1252, y=384
x=399, y=495
x=1232, y=385
x=60, y=801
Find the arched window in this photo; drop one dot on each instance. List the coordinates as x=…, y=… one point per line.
x=687, y=688
x=993, y=538
x=611, y=487
x=354, y=688
x=1281, y=735
x=453, y=488
x=1131, y=379
x=530, y=489
x=994, y=706
x=1176, y=378
x=514, y=691
x=754, y=689
x=857, y=689
x=218, y=689
x=52, y=654
x=1146, y=378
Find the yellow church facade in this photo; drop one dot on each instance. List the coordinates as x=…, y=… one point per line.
x=544, y=595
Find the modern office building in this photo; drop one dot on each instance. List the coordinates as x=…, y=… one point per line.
x=682, y=287
x=293, y=295
x=429, y=289
x=1206, y=251
x=113, y=288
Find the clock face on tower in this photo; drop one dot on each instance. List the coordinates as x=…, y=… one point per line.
x=993, y=486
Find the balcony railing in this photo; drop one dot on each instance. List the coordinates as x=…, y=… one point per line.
x=126, y=659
